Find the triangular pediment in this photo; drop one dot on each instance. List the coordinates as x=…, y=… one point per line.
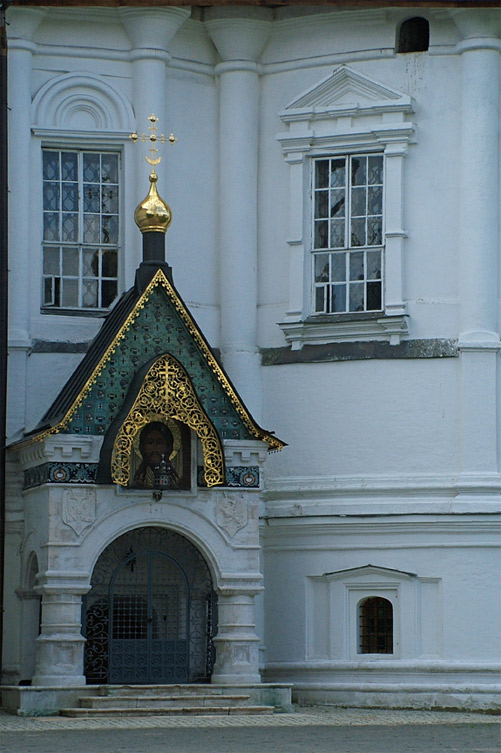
x=346, y=89
x=373, y=570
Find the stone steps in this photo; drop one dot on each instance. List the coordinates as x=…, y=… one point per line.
x=260, y=698
x=154, y=701
x=167, y=711
x=121, y=691
x=171, y=700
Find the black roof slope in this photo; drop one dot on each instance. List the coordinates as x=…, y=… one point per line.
x=112, y=324
x=275, y=4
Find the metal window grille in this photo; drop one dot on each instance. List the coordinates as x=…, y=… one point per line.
x=151, y=613
x=376, y=626
x=80, y=229
x=348, y=234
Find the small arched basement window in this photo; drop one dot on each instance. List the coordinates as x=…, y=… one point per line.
x=414, y=35
x=375, y=621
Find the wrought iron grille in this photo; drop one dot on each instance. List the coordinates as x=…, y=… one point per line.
x=150, y=615
x=376, y=626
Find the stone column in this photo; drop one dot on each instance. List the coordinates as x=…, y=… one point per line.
x=23, y=23
x=150, y=31
x=239, y=36
x=14, y=532
x=237, y=645
x=60, y=645
x=479, y=240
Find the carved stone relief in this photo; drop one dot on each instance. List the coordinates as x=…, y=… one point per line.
x=231, y=512
x=79, y=508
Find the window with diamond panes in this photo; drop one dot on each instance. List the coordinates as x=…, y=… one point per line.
x=80, y=229
x=348, y=234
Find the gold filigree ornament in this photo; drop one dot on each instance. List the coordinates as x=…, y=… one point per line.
x=166, y=393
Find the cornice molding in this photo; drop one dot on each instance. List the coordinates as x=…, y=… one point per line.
x=377, y=484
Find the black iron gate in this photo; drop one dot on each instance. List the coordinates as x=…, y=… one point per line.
x=149, y=621
x=150, y=615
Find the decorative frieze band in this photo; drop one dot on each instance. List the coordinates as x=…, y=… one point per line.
x=60, y=473
x=242, y=476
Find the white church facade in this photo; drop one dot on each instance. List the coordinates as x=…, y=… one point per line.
x=331, y=273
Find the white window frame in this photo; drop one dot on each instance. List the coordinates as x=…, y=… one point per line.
x=332, y=608
x=358, y=593
x=82, y=320
x=346, y=113
x=80, y=245
x=347, y=248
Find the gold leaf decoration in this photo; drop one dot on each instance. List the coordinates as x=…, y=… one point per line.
x=167, y=392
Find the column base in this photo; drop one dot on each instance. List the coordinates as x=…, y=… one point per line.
x=235, y=679
x=59, y=661
x=57, y=681
x=236, y=660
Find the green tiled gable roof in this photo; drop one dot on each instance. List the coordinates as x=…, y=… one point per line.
x=147, y=322
x=157, y=329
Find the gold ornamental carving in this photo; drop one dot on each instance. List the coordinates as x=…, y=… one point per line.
x=167, y=392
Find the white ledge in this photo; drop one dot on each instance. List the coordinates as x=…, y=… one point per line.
x=312, y=332
x=376, y=664
x=90, y=135
x=382, y=484
x=61, y=448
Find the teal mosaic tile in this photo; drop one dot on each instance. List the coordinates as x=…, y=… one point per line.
x=60, y=473
x=158, y=329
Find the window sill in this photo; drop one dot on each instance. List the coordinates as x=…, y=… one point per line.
x=92, y=313
x=322, y=329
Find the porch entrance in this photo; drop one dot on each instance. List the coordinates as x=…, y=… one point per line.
x=150, y=615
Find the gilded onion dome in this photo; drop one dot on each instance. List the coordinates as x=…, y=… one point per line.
x=153, y=215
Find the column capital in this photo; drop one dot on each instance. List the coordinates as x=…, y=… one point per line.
x=239, y=33
x=475, y=23
x=70, y=583
x=23, y=22
x=396, y=149
x=152, y=28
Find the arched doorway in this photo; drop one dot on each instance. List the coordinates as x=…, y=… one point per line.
x=150, y=615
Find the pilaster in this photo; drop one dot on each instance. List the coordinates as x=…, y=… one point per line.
x=479, y=240
x=395, y=235
x=150, y=31
x=239, y=36
x=23, y=23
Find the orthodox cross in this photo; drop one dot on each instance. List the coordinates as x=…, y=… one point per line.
x=153, y=138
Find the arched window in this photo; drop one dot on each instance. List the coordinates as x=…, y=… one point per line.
x=414, y=35
x=32, y=572
x=375, y=620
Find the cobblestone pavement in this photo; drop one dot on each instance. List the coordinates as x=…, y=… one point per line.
x=302, y=717
x=313, y=730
